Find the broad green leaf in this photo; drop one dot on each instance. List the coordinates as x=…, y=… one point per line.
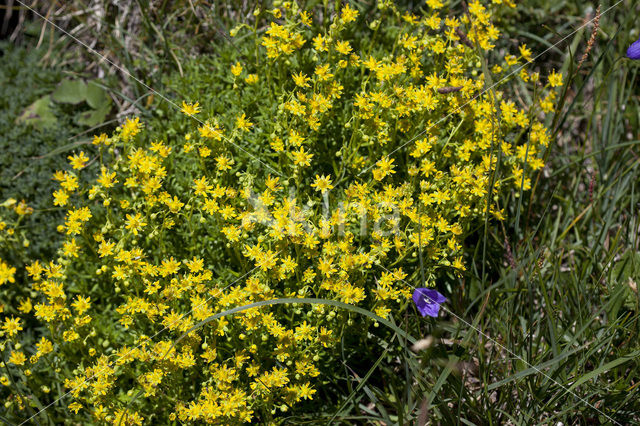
x=93, y=117
x=96, y=96
x=70, y=92
x=38, y=113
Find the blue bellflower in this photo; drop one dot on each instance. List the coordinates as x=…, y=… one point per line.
x=633, y=52
x=428, y=301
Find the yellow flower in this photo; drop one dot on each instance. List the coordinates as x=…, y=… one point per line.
x=223, y=163
x=207, y=131
x=60, y=198
x=322, y=183
x=305, y=391
x=236, y=69
x=343, y=47
x=525, y=52
x=305, y=18
x=23, y=209
x=135, y=223
x=106, y=248
x=70, y=336
x=201, y=186
x=174, y=204
x=555, y=79
x=106, y=179
x=69, y=182
x=276, y=144
x=44, y=347
x=130, y=128
x=385, y=167
x=11, y=326
x=242, y=123
x=348, y=14
x=100, y=139
x=70, y=248
x=301, y=158
x=75, y=407
x=7, y=272
x=295, y=138
x=320, y=43
x=434, y=4
x=204, y=151
x=322, y=71
x=301, y=80
x=78, y=161
x=81, y=304
x=17, y=358
x=511, y=60
x=25, y=306
x=266, y=260
x=190, y=109
x=195, y=265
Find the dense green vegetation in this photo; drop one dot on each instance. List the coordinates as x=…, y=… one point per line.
x=541, y=327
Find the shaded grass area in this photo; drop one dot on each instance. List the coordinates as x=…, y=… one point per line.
x=30, y=151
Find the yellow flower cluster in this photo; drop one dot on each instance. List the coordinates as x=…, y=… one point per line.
x=6, y=273
x=375, y=149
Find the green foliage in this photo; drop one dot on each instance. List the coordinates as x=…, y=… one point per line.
x=76, y=92
x=543, y=327
x=45, y=115
x=38, y=114
x=31, y=127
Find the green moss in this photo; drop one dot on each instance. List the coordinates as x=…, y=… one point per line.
x=33, y=134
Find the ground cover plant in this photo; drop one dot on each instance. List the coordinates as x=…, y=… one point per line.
x=29, y=135
x=247, y=247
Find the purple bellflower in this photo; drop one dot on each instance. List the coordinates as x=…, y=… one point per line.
x=633, y=52
x=428, y=301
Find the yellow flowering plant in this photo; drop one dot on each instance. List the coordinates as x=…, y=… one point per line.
x=337, y=161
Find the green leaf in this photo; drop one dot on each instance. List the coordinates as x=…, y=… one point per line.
x=627, y=267
x=625, y=271
x=361, y=384
x=70, y=92
x=533, y=369
x=93, y=117
x=606, y=367
x=64, y=148
x=96, y=96
x=38, y=113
